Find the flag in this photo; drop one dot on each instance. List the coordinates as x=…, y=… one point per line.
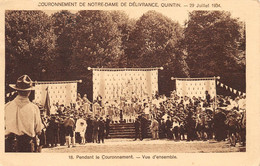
x=47, y=105
x=8, y=94
x=230, y=89
x=195, y=88
x=221, y=84
x=226, y=86
x=239, y=92
x=235, y=91
x=217, y=82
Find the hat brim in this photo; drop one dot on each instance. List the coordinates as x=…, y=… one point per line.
x=19, y=89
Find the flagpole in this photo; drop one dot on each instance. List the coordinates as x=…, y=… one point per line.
x=125, y=69
x=56, y=82
x=195, y=79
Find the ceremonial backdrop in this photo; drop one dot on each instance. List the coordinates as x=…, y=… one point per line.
x=196, y=87
x=61, y=92
x=127, y=83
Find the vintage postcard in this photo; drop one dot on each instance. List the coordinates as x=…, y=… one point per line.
x=158, y=82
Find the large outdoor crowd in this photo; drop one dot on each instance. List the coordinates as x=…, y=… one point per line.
x=160, y=117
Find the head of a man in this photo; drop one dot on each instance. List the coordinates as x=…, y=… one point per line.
x=23, y=86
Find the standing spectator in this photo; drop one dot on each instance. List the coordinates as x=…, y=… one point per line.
x=81, y=129
x=22, y=119
x=190, y=126
x=53, y=127
x=89, y=130
x=175, y=130
x=62, y=133
x=168, y=128
x=162, y=130
x=95, y=130
x=155, y=129
x=233, y=127
x=182, y=131
x=243, y=129
x=220, y=126
x=69, y=128
x=107, y=125
x=143, y=121
x=101, y=130
x=198, y=128
x=137, y=125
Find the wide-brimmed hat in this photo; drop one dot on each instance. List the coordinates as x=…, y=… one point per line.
x=23, y=83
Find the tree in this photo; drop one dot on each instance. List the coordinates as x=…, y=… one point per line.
x=97, y=39
x=214, y=42
x=155, y=42
x=97, y=43
x=125, y=26
x=63, y=24
x=29, y=43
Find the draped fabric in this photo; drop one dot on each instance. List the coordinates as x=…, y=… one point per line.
x=195, y=88
x=124, y=84
x=63, y=93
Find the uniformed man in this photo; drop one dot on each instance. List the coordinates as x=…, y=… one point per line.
x=95, y=129
x=69, y=125
x=101, y=130
x=89, y=130
x=108, y=120
x=154, y=129
x=22, y=119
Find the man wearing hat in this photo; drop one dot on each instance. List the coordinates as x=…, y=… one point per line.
x=107, y=124
x=137, y=125
x=95, y=125
x=154, y=128
x=101, y=130
x=69, y=125
x=89, y=130
x=168, y=126
x=22, y=119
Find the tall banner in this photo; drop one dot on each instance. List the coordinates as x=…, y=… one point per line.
x=196, y=87
x=116, y=84
x=62, y=93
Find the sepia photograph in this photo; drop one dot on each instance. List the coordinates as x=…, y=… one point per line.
x=119, y=81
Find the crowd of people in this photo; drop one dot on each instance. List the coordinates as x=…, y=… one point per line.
x=159, y=117
x=191, y=119
x=174, y=117
x=68, y=129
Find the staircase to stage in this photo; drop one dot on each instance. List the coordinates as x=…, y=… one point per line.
x=124, y=130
